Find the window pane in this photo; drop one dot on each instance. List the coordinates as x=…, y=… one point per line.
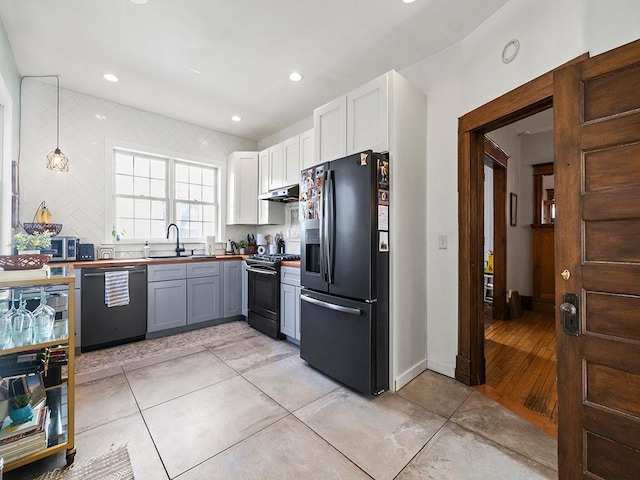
x=208, y=213
x=158, y=169
x=183, y=225
x=124, y=207
x=141, y=186
x=195, y=193
x=124, y=163
x=195, y=175
x=142, y=228
x=182, y=212
x=158, y=229
x=196, y=230
x=157, y=188
x=124, y=185
x=182, y=173
x=195, y=213
x=143, y=208
x=182, y=191
x=208, y=194
x=125, y=226
x=208, y=176
x=158, y=210
x=141, y=167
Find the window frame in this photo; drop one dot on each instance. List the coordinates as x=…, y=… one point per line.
x=112, y=145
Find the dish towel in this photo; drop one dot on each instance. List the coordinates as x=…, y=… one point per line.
x=116, y=288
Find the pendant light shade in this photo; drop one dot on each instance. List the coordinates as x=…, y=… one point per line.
x=56, y=160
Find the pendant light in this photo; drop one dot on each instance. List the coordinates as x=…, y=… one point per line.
x=56, y=160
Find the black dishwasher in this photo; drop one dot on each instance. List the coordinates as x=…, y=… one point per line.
x=104, y=326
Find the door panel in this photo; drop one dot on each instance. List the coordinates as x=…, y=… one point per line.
x=597, y=130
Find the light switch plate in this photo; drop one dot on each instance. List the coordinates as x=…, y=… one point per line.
x=442, y=242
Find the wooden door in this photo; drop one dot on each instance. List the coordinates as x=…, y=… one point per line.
x=597, y=166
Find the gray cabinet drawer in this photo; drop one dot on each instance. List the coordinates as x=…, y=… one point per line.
x=173, y=271
x=203, y=269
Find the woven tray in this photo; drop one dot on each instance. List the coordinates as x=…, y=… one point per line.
x=27, y=261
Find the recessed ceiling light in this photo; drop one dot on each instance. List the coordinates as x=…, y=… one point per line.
x=295, y=76
x=194, y=70
x=139, y=1
x=408, y=1
x=236, y=118
x=110, y=77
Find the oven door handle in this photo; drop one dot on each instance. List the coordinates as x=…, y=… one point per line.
x=331, y=306
x=261, y=271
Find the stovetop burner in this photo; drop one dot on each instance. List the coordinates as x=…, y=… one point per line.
x=275, y=258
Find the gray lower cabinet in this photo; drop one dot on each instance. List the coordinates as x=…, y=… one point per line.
x=245, y=290
x=166, y=304
x=290, y=302
x=232, y=289
x=204, y=289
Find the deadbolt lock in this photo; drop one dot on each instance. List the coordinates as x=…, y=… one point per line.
x=566, y=274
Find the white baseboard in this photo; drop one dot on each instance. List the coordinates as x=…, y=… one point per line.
x=409, y=375
x=448, y=370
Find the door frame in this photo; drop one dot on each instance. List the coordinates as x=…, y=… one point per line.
x=524, y=101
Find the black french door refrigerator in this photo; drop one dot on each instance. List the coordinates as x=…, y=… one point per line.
x=344, y=268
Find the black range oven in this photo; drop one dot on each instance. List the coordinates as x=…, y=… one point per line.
x=263, y=274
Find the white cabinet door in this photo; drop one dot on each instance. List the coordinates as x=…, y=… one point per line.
x=306, y=150
x=288, y=302
x=368, y=117
x=203, y=299
x=242, y=188
x=263, y=168
x=232, y=290
x=276, y=166
x=245, y=290
x=330, y=130
x=291, y=152
x=166, y=305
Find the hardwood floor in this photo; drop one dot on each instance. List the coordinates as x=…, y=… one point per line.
x=520, y=357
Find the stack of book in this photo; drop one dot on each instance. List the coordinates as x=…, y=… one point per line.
x=17, y=441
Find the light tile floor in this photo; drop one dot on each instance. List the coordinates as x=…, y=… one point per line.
x=247, y=407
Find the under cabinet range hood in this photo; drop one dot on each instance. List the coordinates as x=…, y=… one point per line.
x=285, y=194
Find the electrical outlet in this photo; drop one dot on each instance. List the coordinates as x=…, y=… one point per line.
x=442, y=242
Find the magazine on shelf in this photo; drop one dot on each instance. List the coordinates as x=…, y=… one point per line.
x=10, y=432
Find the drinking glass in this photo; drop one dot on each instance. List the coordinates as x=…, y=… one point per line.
x=22, y=325
x=44, y=316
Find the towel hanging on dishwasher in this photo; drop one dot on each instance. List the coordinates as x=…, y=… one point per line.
x=116, y=288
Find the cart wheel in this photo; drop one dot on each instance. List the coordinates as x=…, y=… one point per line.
x=71, y=456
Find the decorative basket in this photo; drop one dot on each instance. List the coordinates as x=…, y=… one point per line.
x=29, y=261
x=32, y=228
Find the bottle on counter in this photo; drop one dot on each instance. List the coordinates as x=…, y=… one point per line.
x=146, y=250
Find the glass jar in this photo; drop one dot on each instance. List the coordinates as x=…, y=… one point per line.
x=44, y=317
x=5, y=324
x=22, y=325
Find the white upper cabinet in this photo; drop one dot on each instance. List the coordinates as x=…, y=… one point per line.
x=276, y=166
x=306, y=150
x=242, y=188
x=269, y=213
x=330, y=130
x=291, y=161
x=354, y=122
x=368, y=117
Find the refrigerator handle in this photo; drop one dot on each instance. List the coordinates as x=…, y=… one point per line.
x=330, y=219
x=331, y=306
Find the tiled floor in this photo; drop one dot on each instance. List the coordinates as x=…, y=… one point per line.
x=247, y=407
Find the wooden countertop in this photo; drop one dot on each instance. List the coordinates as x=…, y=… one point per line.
x=119, y=262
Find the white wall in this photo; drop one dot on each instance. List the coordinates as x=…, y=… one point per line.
x=77, y=198
x=470, y=74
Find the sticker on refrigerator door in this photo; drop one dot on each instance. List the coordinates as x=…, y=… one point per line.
x=383, y=174
x=383, y=197
x=383, y=244
x=363, y=159
x=383, y=217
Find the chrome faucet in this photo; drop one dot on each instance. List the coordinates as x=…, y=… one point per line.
x=178, y=249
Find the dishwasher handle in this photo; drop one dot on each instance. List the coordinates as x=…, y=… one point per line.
x=101, y=274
